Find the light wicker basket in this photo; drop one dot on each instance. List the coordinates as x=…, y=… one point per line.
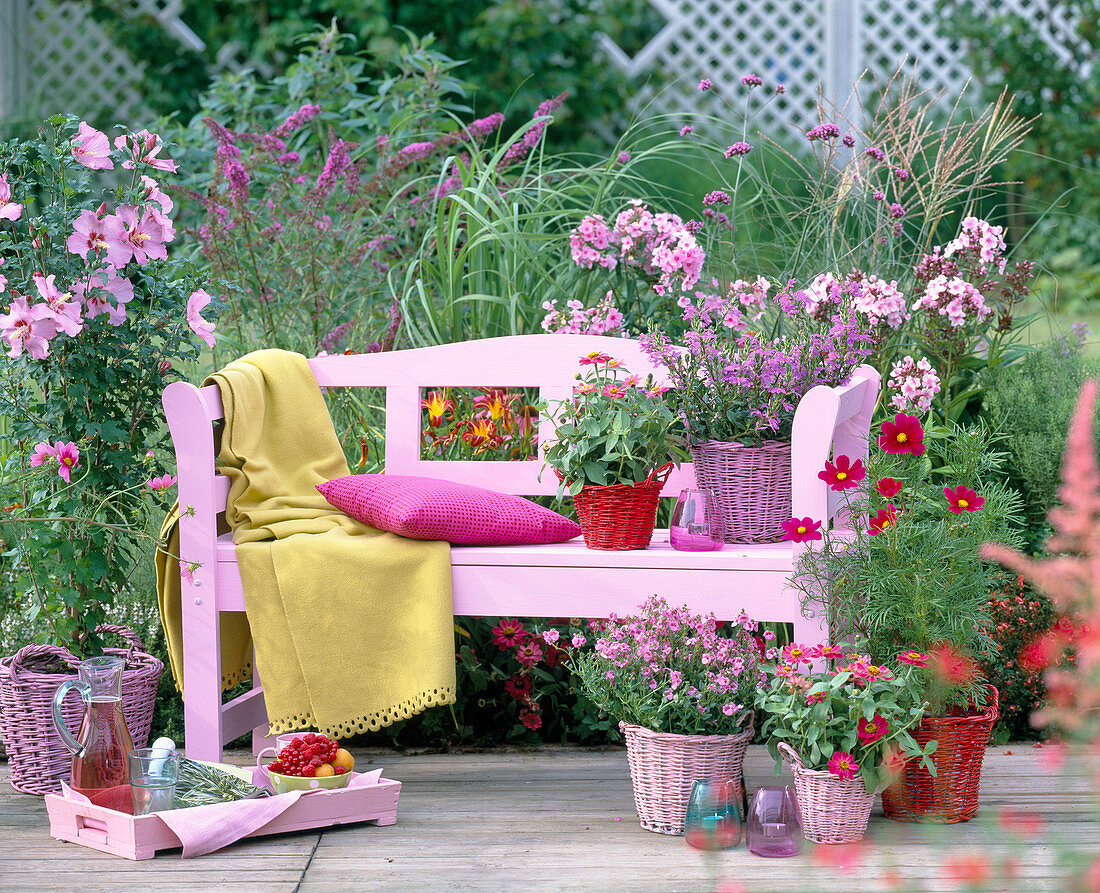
x=751, y=484
x=664, y=766
x=39, y=761
x=834, y=810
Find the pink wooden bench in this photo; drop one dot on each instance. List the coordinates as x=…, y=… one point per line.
x=565, y=580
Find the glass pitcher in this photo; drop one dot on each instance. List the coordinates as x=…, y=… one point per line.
x=101, y=749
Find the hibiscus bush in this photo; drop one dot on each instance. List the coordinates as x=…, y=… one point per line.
x=851, y=719
x=98, y=321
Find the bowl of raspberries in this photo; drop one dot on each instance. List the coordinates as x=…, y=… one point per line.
x=309, y=761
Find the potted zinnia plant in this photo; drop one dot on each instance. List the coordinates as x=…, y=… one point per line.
x=840, y=729
x=904, y=573
x=682, y=688
x=738, y=388
x=616, y=443
x=98, y=319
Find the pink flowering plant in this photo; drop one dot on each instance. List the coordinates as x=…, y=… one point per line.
x=98, y=319
x=669, y=670
x=615, y=429
x=850, y=718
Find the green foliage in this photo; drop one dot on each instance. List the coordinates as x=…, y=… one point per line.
x=613, y=430
x=72, y=544
x=844, y=711
x=1032, y=402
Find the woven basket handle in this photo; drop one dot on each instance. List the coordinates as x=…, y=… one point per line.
x=740, y=725
x=661, y=474
x=35, y=658
x=792, y=759
x=136, y=643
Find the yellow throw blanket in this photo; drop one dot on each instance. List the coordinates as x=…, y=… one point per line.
x=352, y=627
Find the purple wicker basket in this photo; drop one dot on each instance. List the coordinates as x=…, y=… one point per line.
x=664, y=766
x=39, y=761
x=751, y=484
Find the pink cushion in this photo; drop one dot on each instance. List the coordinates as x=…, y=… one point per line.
x=431, y=509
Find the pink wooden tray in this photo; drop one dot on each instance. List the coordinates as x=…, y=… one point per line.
x=140, y=837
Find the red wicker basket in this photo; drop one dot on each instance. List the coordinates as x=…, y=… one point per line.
x=751, y=484
x=952, y=796
x=617, y=517
x=39, y=761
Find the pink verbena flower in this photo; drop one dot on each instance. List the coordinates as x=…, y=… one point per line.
x=824, y=131
x=705, y=84
x=686, y=129
x=738, y=149
x=916, y=385
x=205, y=330
x=9, y=210
x=92, y=148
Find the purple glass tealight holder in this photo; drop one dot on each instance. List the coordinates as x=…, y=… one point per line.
x=774, y=827
x=696, y=524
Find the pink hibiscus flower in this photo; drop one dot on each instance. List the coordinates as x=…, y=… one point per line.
x=143, y=235
x=9, y=210
x=99, y=289
x=29, y=328
x=92, y=234
x=65, y=313
x=202, y=328
x=843, y=765
x=92, y=148
x=145, y=147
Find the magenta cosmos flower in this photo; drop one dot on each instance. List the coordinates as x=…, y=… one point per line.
x=883, y=518
x=68, y=458
x=844, y=474
x=42, y=452
x=888, y=487
x=161, y=483
x=843, y=765
x=903, y=435
x=92, y=148
x=870, y=730
x=963, y=499
x=800, y=530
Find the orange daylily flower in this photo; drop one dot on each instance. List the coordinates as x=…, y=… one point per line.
x=437, y=405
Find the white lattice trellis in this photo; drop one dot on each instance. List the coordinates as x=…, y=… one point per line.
x=811, y=46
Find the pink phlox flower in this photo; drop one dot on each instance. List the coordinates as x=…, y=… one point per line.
x=983, y=239
x=143, y=234
x=843, y=765
x=68, y=458
x=161, y=483
x=205, y=330
x=65, y=313
x=42, y=452
x=104, y=238
x=915, y=383
x=9, y=210
x=96, y=293
x=881, y=302
x=29, y=328
x=92, y=148
x=954, y=298
x=145, y=147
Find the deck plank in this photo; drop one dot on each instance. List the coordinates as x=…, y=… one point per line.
x=561, y=819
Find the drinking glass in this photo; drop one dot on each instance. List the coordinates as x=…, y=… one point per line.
x=713, y=820
x=774, y=824
x=153, y=774
x=696, y=524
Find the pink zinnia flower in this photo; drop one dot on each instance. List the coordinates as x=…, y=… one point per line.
x=915, y=658
x=528, y=653
x=801, y=530
x=888, y=487
x=68, y=458
x=202, y=328
x=24, y=326
x=903, y=435
x=9, y=210
x=870, y=730
x=815, y=698
x=161, y=483
x=595, y=357
x=883, y=518
x=843, y=765
x=844, y=474
x=508, y=633
x=793, y=654
x=530, y=719
x=42, y=452
x=963, y=499
x=92, y=148
x=831, y=652
x=614, y=391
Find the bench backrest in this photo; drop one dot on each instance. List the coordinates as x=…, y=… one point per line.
x=545, y=362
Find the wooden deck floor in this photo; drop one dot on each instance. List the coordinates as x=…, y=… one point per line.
x=563, y=819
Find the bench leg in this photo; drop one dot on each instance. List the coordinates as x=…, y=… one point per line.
x=202, y=678
x=811, y=630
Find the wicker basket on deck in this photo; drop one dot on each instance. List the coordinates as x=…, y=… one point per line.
x=751, y=484
x=834, y=810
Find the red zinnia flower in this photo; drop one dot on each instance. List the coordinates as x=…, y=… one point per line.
x=844, y=474
x=884, y=518
x=532, y=720
x=963, y=499
x=519, y=686
x=870, y=730
x=799, y=530
x=888, y=487
x=903, y=435
x=508, y=634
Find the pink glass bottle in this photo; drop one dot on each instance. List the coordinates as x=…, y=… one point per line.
x=101, y=749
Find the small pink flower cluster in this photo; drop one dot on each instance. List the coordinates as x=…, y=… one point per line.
x=880, y=301
x=916, y=384
x=983, y=241
x=956, y=299
x=660, y=245
x=603, y=319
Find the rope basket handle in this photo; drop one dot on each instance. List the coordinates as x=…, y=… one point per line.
x=33, y=658
x=136, y=642
x=792, y=759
